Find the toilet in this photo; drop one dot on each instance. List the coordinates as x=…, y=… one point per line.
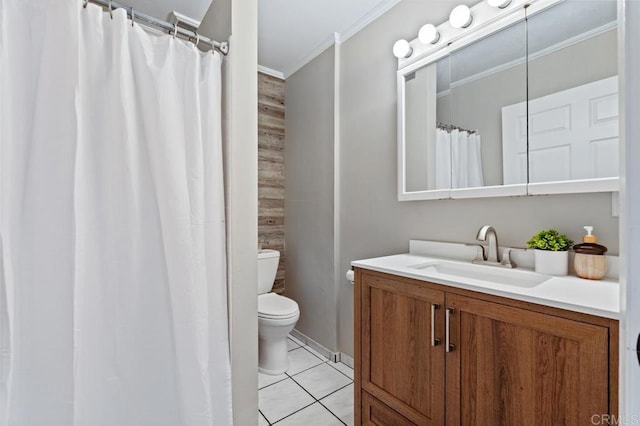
x=277, y=315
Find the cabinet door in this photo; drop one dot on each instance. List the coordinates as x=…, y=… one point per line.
x=511, y=366
x=400, y=365
x=375, y=413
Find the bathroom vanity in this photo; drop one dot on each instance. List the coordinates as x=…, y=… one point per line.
x=434, y=345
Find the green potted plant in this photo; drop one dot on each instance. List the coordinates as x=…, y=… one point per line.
x=551, y=252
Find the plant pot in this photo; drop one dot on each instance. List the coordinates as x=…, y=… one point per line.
x=552, y=262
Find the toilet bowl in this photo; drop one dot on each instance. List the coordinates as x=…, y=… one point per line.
x=277, y=315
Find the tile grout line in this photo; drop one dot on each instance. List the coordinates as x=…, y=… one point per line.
x=315, y=400
x=301, y=371
x=271, y=384
x=337, y=390
x=326, y=360
x=318, y=400
x=322, y=357
x=309, y=405
x=329, y=363
x=293, y=380
x=306, y=369
x=328, y=395
x=289, y=415
x=334, y=414
x=264, y=417
x=295, y=343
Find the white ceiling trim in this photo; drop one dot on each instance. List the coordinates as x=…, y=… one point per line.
x=316, y=51
x=371, y=16
x=336, y=38
x=271, y=72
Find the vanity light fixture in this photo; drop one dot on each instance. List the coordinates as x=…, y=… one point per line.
x=501, y=4
x=460, y=16
x=428, y=34
x=402, y=49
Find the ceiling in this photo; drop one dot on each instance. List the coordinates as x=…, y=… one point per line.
x=160, y=9
x=292, y=32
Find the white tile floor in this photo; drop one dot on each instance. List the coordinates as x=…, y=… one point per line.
x=313, y=392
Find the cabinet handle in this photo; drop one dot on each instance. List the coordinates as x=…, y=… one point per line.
x=434, y=341
x=450, y=347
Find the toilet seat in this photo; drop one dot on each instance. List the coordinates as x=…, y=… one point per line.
x=274, y=306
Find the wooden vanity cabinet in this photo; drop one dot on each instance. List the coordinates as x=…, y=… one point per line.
x=400, y=365
x=509, y=362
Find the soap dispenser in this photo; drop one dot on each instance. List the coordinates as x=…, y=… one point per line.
x=589, y=261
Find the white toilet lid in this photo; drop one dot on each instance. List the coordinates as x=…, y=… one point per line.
x=272, y=305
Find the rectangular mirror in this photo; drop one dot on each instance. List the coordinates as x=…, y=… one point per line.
x=427, y=163
x=486, y=76
x=573, y=93
x=526, y=103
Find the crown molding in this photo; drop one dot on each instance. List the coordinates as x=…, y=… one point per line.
x=315, y=52
x=342, y=36
x=271, y=72
x=366, y=19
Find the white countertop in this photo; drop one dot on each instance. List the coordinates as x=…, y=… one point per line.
x=601, y=298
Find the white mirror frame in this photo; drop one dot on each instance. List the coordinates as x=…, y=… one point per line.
x=486, y=20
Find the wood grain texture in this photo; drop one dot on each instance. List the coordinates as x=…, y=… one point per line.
x=375, y=413
x=357, y=347
x=517, y=367
x=514, y=363
x=399, y=365
x=271, y=129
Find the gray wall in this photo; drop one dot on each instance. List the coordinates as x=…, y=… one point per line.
x=372, y=221
x=309, y=192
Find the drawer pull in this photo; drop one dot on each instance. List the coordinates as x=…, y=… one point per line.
x=434, y=340
x=450, y=347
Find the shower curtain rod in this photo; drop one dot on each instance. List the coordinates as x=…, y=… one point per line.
x=148, y=20
x=450, y=127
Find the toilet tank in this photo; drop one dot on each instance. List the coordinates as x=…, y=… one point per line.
x=267, y=268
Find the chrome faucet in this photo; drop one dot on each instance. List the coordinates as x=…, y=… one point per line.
x=492, y=256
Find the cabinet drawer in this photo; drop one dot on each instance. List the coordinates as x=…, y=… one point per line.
x=376, y=413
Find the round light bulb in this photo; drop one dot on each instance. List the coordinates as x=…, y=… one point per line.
x=499, y=3
x=428, y=34
x=402, y=49
x=460, y=17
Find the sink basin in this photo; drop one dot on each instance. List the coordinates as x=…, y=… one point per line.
x=513, y=277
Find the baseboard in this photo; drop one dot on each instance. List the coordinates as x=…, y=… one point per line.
x=346, y=359
x=330, y=355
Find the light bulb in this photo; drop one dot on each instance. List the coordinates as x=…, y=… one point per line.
x=499, y=3
x=428, y=34
x=402, y=49
x=460, y=17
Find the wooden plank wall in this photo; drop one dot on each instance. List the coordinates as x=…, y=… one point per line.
x=271, y=109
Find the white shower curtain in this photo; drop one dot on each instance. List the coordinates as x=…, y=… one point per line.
x=458, y=159
x=113, y=306
x=443, y=159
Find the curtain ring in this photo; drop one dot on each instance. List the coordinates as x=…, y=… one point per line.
x=110, y=10
x=197, y=39
x=133, y=16
x=85, y=3
x=175, y=30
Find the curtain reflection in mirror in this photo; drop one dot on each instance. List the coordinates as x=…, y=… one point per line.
x=458, y=158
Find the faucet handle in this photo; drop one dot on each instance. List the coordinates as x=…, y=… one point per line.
x=481, y=255
x=506, y=257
